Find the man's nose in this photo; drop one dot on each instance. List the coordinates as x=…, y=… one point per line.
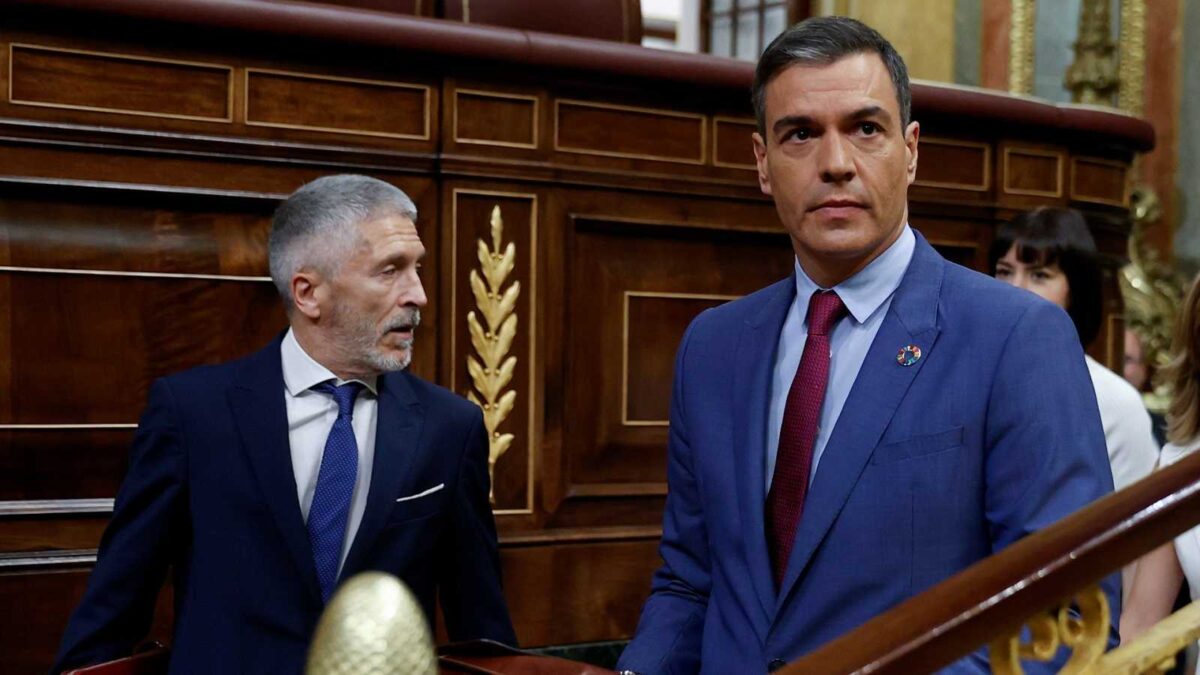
x=415, y=295
x=835, y=161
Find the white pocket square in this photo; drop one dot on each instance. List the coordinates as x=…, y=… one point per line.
x=426, y=493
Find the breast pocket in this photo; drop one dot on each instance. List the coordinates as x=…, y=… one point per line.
x=408, y=510
x=919, y=446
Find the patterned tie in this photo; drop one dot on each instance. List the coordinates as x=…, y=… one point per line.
x=798, y=433
x=335, y=485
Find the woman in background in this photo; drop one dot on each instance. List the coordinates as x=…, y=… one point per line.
x=1051, y=252
x=1160, y=572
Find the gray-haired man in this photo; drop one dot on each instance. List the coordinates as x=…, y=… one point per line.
x=264, y=482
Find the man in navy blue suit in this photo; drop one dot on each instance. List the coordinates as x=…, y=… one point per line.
x=850, y=436
x=264, y=482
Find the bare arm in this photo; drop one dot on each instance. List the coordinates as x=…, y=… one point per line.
x=1152, y=594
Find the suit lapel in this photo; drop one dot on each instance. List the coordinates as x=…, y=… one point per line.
x=259, y=410
x=754, y=363
x=398, y=425
x=876, y=394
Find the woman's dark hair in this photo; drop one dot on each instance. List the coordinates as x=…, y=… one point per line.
x=1048, y=236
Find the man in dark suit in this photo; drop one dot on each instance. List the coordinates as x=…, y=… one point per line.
x=850, y=436
x=264, y=482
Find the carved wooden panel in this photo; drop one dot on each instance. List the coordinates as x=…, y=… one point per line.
x=338, y=104
x=599, y=588
x=633, y=290
x=1099, y=180
x=115, y=82
x=1033, y=172
x=732, y=147
x=954, y=165
x=495, y=118
x=628, y=131
x=31, y=635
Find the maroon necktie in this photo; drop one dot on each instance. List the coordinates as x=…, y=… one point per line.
x=798, y=433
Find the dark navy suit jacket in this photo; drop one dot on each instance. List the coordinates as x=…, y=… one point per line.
x=992, y=434
x=211, y=494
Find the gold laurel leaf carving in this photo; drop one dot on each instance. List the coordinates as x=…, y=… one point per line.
x=493, y=337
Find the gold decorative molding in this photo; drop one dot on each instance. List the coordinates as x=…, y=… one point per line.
x=1131, y=66
x=1092, y=77
x=123, y=273
x=1154, y=651
x=1085, y=632
x=493, y=341
x=1020, y=47
x=1152, y=291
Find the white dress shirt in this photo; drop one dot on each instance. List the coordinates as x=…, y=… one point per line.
x=311, y=415
x=867, y=296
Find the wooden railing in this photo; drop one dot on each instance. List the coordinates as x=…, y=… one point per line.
x=990, y=602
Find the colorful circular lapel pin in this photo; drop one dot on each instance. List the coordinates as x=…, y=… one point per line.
x=908, y=355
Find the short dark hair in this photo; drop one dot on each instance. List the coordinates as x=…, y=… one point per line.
x=1047, y=236
x=822, y=40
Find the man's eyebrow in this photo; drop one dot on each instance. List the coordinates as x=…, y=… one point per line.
x=790, y=121
x=870, y=111
x=866, y=112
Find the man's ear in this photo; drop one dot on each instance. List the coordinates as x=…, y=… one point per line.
x=760, y=159
x=911, y=135
x=307, y=290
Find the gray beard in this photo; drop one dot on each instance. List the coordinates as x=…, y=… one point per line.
x=362, y=343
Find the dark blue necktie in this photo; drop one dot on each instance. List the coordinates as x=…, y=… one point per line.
x=330, y=510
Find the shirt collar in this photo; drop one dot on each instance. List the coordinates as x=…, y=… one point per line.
x=867, y=290
x=301, y=372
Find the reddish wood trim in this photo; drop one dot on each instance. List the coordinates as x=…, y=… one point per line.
x=995, y=596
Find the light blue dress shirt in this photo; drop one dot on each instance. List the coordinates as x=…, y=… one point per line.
x=867, y=296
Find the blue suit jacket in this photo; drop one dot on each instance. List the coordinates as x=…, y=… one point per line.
x=211, y=493
x=992, y=434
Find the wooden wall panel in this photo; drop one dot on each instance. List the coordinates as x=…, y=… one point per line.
x=1033, y=172
x=70, y=463
x=31, y=634
x=954, y=165
x=314, y=102
x=74, y=529
x=124, y=83
x=118, y=333
x=494, y=118
x=732, y=144
x=633, y=132
x=665, y=276
x=652, y=324
x=584, y=592
x=1099, y=181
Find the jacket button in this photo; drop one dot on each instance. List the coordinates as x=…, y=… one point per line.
x=775, y=665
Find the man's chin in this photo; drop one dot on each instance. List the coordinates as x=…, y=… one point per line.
x=390, y=360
